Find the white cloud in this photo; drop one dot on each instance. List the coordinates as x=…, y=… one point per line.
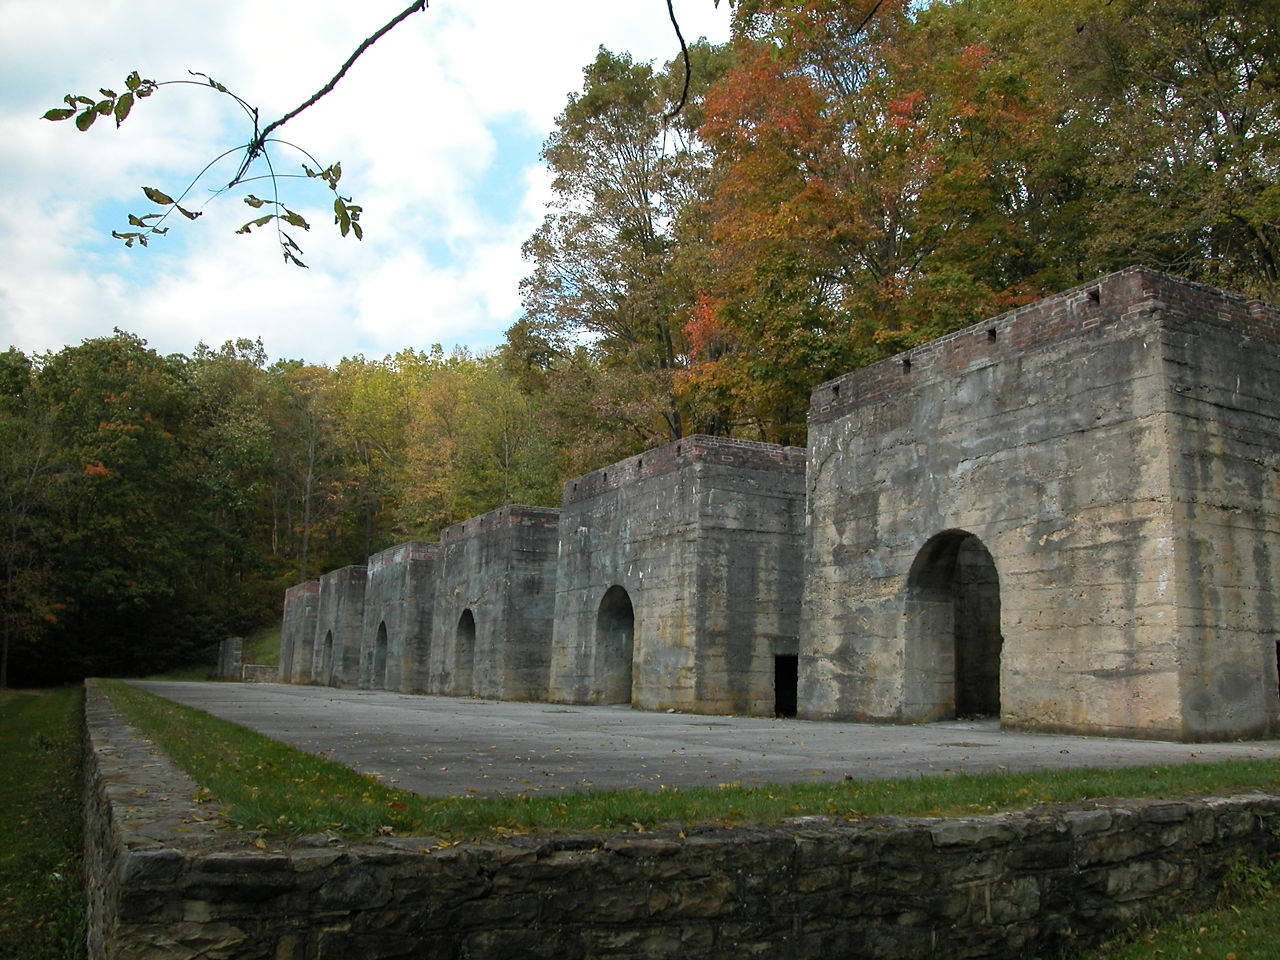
x=437, y=128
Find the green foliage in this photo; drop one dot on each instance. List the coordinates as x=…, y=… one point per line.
x=121, y=505
x=1181, y=106
x=880, y=174
x=610, y=276
x=153, y=506
x=42, y=907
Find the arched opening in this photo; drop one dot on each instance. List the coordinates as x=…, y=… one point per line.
x=953, y=630
x=464, y=655
x=614, y=647
x=380, y=658
x=326, y=659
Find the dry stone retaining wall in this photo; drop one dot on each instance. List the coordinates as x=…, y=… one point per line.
x=164, y=883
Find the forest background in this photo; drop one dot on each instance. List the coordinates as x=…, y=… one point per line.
x=837, y=188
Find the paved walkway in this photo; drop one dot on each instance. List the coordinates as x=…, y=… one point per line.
x=445, y=745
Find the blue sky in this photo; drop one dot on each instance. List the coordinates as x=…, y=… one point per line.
x=437, y=127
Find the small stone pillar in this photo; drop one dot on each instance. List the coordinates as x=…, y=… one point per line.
x=230, y=652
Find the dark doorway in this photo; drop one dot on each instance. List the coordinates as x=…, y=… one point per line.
x=953, y=629
x=786, y=679
x=614, y=647
x=326, y=660
x=464, y=655
x=379, y=679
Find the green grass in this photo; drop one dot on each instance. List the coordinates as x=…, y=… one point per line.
x=42, y=900
x=1245, y=925
x=269, y=787
x=265, y=785
x=262, y=646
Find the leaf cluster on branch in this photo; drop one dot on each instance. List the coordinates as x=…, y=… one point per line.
x=258, y=147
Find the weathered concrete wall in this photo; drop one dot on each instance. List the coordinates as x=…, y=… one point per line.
x=399, y=598
x=1222, y=367
x=339, y=620
x=494, y=600
x=230, y=652
x=679, y=577
x=1052, y=435
x=164, y=882
x=298, y=632
x=1068, y=515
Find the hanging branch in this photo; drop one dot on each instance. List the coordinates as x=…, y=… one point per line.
x=259, y=140
x=346, y=215
x=688, y=70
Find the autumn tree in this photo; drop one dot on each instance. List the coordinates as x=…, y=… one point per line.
x=233, y=467
x=122, y=504
x=308, y=493
x=475, y=442
x=608, y=275
x=879, y=168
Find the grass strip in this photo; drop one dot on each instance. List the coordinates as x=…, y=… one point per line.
x=42, y=901
x=266, y=785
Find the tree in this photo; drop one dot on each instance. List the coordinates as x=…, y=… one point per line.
x=233, y=469
x=308, y=459
x=27, y=463
x=880, y=170
x=121, y=508
x=1180, y=102
x=475, y=442
x=607, y=270
x=377, y=400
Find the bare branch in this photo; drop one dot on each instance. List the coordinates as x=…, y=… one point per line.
x=684, y=50
x=256, y=145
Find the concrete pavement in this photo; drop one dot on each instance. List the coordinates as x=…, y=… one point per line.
x=438, y=746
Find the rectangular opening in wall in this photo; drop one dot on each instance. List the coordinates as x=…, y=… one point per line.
x=786, y=675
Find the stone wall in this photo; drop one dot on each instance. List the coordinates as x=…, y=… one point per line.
x=339, y=622
x=164, y=882
x=298, y=632
x=230, y=652
x=395, y=642
x=1067, y=516
x=679, y=578
x=1076, y=444
x=1222, y=369
x=494, y=600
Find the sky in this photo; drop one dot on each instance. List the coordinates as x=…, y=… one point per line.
x=438, y=128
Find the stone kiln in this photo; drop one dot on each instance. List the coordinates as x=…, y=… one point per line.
x=1067, y=515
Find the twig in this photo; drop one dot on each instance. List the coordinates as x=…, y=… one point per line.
x=256, y=145
x=688, y=70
